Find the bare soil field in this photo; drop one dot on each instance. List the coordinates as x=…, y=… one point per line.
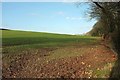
x=95, y=61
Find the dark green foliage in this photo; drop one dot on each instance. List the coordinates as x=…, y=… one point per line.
x=98, y=29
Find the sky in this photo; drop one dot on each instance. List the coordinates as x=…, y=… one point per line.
x=53, y=17
x=59, y=0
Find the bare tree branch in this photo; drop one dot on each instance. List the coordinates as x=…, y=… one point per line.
x=102, y=8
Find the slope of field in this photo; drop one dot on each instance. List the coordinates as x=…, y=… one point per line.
x=47, y=55
x=20, y=40
x=11, y=38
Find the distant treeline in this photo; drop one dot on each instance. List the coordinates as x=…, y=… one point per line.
x=97, y=30
x=4, y=29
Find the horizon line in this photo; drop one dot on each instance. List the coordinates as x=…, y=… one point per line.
x=41, y=31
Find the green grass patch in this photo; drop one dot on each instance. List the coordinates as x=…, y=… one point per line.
x=12, y=38
x=17, y=41
x=66, y=52
x=103, y=72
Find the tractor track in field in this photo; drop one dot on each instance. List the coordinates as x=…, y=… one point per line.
x=81, y=66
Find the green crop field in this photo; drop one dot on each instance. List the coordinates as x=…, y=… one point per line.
x=13, y=40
